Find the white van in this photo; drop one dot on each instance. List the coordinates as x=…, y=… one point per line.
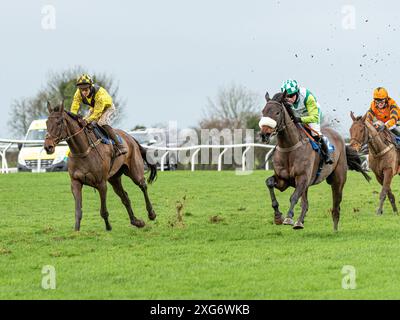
x=33, y=157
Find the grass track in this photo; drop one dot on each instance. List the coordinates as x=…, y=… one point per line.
x=240, y=255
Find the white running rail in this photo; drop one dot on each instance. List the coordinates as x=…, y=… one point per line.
x=225, y=148
x=5, y=145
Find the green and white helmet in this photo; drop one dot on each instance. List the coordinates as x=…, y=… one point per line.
x=290, y=86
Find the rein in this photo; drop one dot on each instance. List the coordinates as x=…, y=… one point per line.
x=381, y=153
x=92, y=145
x=366, y=139
x=73, y=135
x=281, y=126
x=68, y=137
x=369, y=139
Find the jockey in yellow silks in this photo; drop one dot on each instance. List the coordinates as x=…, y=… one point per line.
x=101, y=106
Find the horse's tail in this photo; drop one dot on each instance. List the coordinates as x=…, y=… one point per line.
x=354, y=162
x=152, y=167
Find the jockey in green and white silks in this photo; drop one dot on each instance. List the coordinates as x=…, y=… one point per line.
x=307, y=110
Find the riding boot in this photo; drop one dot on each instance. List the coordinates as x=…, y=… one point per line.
x=396, y=139
x=396, y=131
x=120, y=148
x=324, y=146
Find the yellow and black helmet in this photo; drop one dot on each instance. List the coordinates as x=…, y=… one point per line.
x=84, y=79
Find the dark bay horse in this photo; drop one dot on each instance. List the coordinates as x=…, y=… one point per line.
x=383, y=158
x=296, y=164
x=92, y=163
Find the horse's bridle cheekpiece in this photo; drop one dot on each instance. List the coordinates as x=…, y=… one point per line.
x=59, y=138
x=269, y=122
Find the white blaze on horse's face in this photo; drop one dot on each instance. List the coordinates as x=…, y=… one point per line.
x=267, y=122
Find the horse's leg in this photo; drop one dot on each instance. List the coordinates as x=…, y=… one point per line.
x=76, y=188
x=136, y=173
x=392, y=201
x=119, y=190
x=301, y=186
x=103, y=209
x=387, y=179
x=149, y=207
x=304, y=208
x=271, y=184
x=337, y=185
x=379, y=178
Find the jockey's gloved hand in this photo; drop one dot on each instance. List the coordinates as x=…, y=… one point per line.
x=381, y=128
x=84, y=122
x=297, y=120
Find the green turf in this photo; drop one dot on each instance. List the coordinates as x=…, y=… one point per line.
x=225, y=248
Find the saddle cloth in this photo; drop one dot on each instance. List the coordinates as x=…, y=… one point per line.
x=102, y=135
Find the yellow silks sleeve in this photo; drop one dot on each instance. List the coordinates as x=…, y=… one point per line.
x=76, y=102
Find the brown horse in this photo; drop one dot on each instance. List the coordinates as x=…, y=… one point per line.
x=93, y=163
x=297, y=165
x=383, y=158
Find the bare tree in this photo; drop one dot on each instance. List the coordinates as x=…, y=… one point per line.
x=20, y=124
x=235, y=107
x=60, y=85
x=232, y=108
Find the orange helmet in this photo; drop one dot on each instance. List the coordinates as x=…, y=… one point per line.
x=380, y=93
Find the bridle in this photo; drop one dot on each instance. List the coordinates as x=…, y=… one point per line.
x=369, y=138
x=366, y=138
x=280, y=124
x=61, y=125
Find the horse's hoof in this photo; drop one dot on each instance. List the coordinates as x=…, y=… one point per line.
x=288, y=221
x=298, y=225
x=278, y=220
x=108, y=228
x=138, y=223
x=379, y=212
x=152, y=215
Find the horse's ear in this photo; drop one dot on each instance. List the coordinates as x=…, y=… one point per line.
x=267, y=96
x=364, y=117
x=353, y=117
x=49, y=106
x=62, y=105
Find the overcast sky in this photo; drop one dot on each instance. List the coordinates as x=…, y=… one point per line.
x=169, y=56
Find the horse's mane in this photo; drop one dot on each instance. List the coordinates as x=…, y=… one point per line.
x=278, y=97
x=73, y=115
